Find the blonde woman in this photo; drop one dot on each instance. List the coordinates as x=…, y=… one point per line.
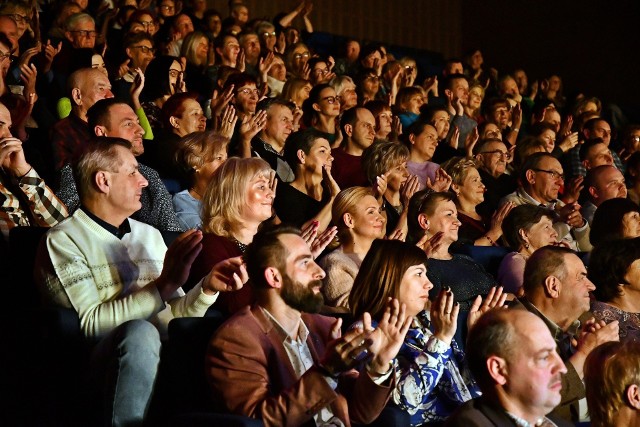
x=237, y=200
x=359, y=221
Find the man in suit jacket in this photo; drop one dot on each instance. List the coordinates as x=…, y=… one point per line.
x=513, y=357
x=275, y=363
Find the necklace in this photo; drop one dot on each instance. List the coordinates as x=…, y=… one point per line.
x=239, y=244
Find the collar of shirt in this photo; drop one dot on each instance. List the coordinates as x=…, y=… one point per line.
x=549, y=205
x=119, y=232
x=521, y=422
x=557, y=332
x=303, y=332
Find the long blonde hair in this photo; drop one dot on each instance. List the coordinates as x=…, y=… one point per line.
x=226, y=194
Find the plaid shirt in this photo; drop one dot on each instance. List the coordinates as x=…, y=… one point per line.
x=35, y=206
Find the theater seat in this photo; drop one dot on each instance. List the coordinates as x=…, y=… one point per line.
x=489, y=257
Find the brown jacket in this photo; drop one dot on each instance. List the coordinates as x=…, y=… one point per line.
x=250, y=373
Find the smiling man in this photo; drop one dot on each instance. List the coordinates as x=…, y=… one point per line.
x=121, y=279
x=113, y=118
x=513, y=358
x=270, y=141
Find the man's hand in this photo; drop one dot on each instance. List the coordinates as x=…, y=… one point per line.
x=596, y=332
x=177, y=262
x=573, y=190
x=12, y=156
x=226, y=276
x=570, y=214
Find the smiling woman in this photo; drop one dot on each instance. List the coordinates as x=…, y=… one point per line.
x=238, y=199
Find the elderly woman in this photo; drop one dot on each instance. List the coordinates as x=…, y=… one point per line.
x=359, y=221
x=432, y=379
x=346, y=91
x=526, y=228
x=389, y=159
x=310, y=195
x=615, y=219
x=198, y=155
x=614, y=268
x=435, y=216
x=237, y=200
x=467, y=185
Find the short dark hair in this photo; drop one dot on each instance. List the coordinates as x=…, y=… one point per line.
x=583, y=153
x=266, y=250
x=134, y=38
x=448, y=82
x=239, y=80
x=531, y=163
x=522, y=217
x=609, y=264
x=300, y=140
x=492, y=335
x=423, y=202
x=174, y=107
x=267, y=103
x=307, y=106
x=544, y=262
x=349, y=117
x=98, y=114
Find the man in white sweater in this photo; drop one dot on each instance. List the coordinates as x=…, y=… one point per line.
x=120, y=277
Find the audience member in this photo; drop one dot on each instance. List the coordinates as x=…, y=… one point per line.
x=358, y=132
x=615, y=219
x=602, y=183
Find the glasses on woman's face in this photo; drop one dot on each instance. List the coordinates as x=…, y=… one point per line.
x=301, y=55
x=321, y=71
x=175, y=73
x=268, y=34
x=331, y=99
x=248, y=92
x=6, y=55
x=18, y=18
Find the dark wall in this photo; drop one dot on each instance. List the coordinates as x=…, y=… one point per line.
x=593, y=45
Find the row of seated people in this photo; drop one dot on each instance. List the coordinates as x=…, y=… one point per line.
x=330, y=177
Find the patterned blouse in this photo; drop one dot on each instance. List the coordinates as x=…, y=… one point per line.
x=433, y=381
x=629, y=323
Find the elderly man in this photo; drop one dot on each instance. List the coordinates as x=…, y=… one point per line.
x=119, y=276
x=358, y=132
x=492, y=157
x=269, y=143
x=26, y=199
x=273, y=362
x=556, y=289
x=512, y=357
x=602, y=183
x=110, y=117
x=86, y=86
x=541, y=177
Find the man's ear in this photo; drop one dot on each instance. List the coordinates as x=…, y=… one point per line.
x=552, y=286
x=448, y=93
x=497, y=368
x=67, y=34
x=593, y=192
x=530, y=175
x=632, y=393
x=423, y=221
x=100, y=130
x=586, y=164
x=348, y=129
x=102, y=180
x=273, y=277
x=76, y=96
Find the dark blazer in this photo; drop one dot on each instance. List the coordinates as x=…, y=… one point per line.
x=250, y=373
x=480, y=413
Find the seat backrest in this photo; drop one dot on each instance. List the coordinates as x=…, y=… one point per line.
x=23, y=246
x=489, y=257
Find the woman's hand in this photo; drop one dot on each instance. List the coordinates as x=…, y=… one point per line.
x=219, y=103
x=496, y=220
x=408, y=189
x=495, y=299
x=388, y=337
x=430, y=245
x=329, y=182
x=136, y=89
x=228, y=122
x=455, y=136
x=441, y=182
x=444, y=316
x=380, y=187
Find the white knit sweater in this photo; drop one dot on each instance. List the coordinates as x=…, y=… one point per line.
x=83, y=266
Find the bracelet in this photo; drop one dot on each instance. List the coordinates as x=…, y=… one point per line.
x=25, y=174
x=378, y=374
x=489, y=239
x=515, y=130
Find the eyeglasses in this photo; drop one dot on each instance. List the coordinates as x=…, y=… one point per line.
x=635, y=138
x=371, y=78
x=167, y=7
x=146, y=23
x=500, y=153
x=321, y=71
x=269, y=34
x=554, y=174
x=85, y=33
x=175, y=73
x=301, y=55
x=331, y=99
x=249, y=92
x=19, y=18
x=144, y=49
